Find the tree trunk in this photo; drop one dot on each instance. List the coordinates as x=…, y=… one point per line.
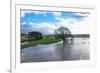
x=64, y=40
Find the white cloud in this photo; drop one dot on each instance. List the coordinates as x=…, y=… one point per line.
x=23, y=13
x=30, y=11
x=23, y=23
x=57, y=13
x=76, y=26
x=82, y=14
x=44, y=28
x=40, y=12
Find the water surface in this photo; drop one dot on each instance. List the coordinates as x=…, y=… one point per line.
x=78, y=49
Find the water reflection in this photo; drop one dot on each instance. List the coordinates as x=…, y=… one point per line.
x=76, y=50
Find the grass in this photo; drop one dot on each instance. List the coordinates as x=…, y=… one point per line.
x=24, y=38
x=43, y=41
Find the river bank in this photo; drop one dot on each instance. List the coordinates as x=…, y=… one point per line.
x=42, y=41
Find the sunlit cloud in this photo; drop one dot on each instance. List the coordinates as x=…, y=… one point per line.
x=76, y=26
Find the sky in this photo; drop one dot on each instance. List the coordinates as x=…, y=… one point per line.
x=47, y=21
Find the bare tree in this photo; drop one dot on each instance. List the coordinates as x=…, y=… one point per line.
x=63, y=33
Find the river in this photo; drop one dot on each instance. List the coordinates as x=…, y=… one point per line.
x=78, y=49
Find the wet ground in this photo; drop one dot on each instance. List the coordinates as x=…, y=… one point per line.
x=78, y=49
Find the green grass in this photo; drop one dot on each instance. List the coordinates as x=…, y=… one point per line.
x=43, y=41
x=24, y=38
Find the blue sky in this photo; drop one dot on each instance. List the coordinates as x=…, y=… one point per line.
x=47, y=21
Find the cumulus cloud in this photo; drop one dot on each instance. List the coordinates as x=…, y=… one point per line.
x=44, y=28
x=76, y=26
x=57, y=14
x=82, y=14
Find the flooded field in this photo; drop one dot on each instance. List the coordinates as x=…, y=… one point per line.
x=78, y=49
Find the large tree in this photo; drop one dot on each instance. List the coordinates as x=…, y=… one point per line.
x=63, y=33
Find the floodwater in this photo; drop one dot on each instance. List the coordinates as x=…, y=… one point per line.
x=78, y=49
